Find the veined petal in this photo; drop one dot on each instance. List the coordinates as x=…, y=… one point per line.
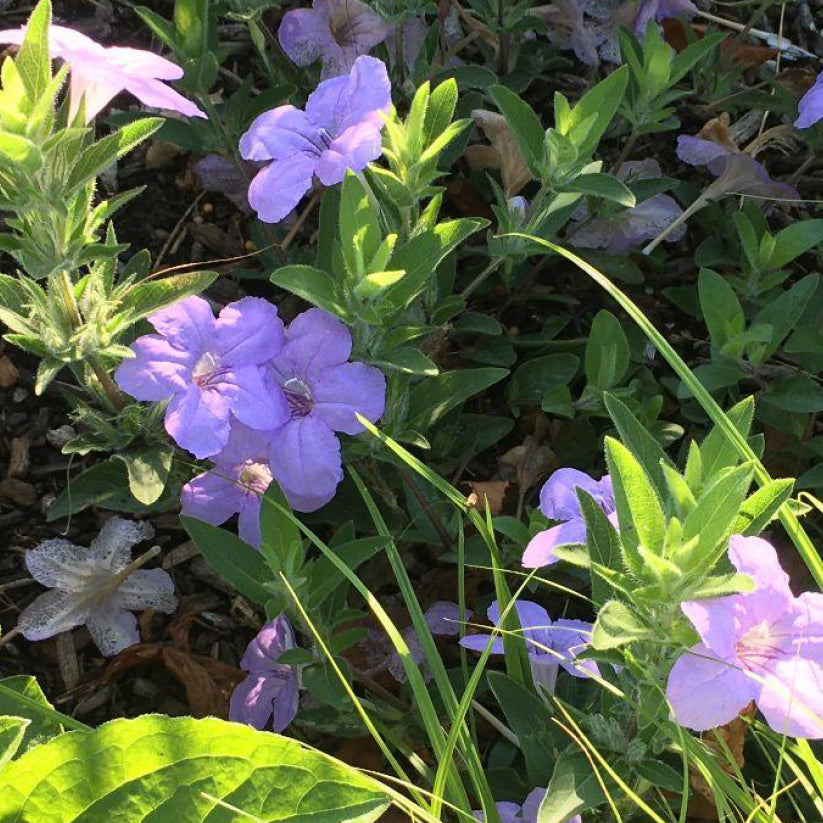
x=59, y=564
x=252, y=402
x=341, y=392
x=198, y=421
x=112, y=629
x=248, y=332
x=305, y=34
x=146, y=589
x=212, y=496
x=157, y=371
x=187, y=324
x=540, y=550
x=277, y=189
x=315, y=339
x=112, y=546
x=279, y=134
x=52, y=612
x=791, y=697
x=354, y=149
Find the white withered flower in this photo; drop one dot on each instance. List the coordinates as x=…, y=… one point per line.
x=97, y=587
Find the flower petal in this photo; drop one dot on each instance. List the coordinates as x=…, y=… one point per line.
x=810, y=107
x=706, y=692
x=558, y=498
x=305, y=461
x=198, y=421
x=143, y=63
x=59, y=564
x=276, y=637
x=277, y=189
x=354, y=150
x=569, y=638
x=248, y=524
x=757, y=558
x=280, y=134
x=187, y=324
x=478, y=643
x=147, y=589
x=315, y=339
x=540, y=550
x=248, y=332
x=52, y=612
x=157, y=371
x=341, y=392
x=112, y=629
x=251, y=400
x=157, y=94
x=791, y=698
x=305, y=34
x=112, y=546
x=212, y=496
x=260, y=696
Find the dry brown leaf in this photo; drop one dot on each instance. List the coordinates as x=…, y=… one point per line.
x=491, y=493
x=732, y=48
x=201, y=690
x=18, y=456
x=18, y=491
x=528, y=463
x=504, y=153
x=8, y=372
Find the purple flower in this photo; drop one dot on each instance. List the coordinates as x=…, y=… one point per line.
x=558, y=501
x=99, y=73
x=323, y=392
x=271, y=689
x=412, y=33
x=97, y=587
x=527, y=813
x=339, y=130
x=659, y=10
x=626, y=229
x=334, y=31
x=765, y=645
x=239, y=479
x=224, y=176
x=549, y=644
x=736, y=172
x=810, y=107
x=209, y=369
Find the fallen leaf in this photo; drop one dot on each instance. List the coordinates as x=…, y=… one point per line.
x=201, y=690
x=503, y=154
x=18, y=491
x=733, y=48
x=18, y=456
x=488, y=493
x=8, y=372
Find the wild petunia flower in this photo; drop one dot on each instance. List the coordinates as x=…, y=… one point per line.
x=97, y=587
x=810, y=107
x=334, y=31
x=558, y=501
x=659, y=10
x=550, y=644
x=622, y=231
x=98, y=73
x=527, y=813
x=236, y=484
x=209, y=369
x=339, y=130
x=765, y=645
x=271, y=689
x=323, y=393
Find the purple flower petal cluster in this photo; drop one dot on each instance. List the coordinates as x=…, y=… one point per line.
x=334, y=31
x=558, y=501
x=261, y=402
x=271, y=690
x=527, y=813
x=550, y=644
x=210, y=370
x=629, y=228
x=810, y=107
x=659, y=10
x=98, y=73
x=340, y=130
x=765, y=645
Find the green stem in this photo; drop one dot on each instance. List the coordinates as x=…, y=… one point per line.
x=478, y=281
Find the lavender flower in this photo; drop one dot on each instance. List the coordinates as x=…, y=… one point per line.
x=271, y=689
x=322, y=392
x=527, y=813
x=810, y=107
x=209, y=369
x=549, y=644
x=659, y=10
x=765, y=645
x=98, y=73
x=97, y=587
x=339, y=130
x=236, y=484
x=558, y=501
x=628, y=228
x=334, y=31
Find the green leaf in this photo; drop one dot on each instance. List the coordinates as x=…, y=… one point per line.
x=794, y=240
x=100, y=155
x=607, y=351
x=601, y=104
x=799, y=394
x=140, y=300
x=573, y=788
x=20, y=151
x=407, y=360
x=12, y=731
x=235, y=561
x=603, y=543
x=717, y=452
x=534, y=378
x=281, y=541
x=360, y=234
x=314, y=286
x=441, y=108
x=617, y=625
x=760, y=509
x=639, y=510
x=148, y=471
x=685, y=60
x=325, y=577
x=523, y=122
x=529, y=718
x=161, y=27
x=42, y=726
x=182, y=769
x=33, y=62
x=602, y=185
x=433, y=397
x=721, y=311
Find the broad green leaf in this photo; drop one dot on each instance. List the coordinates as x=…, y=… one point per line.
x=281, y=542
x=142, y=299
x=794, y=240
x=601, y=104
x=685, y=60
x=716, y=451
x=721, y=311
x=148, y=471
x=573, y=788
x=33, y=62
x=617, y=625
x=407, y=360
x=597, y=184
x=761, y=508
x=360, y=234
x=433, y=397
x=721, y=585
x=31, y=704
x=313, y=285
x=603, y=543
x=523, y=122
x=235, y=561
x=535, y=377
x=324, y=576
x=17, y=150
x=12, y=731
x=799, y=394
x=607, y=351
x=639, y=510
x=439, y=114
x=100, y=155
x=161, y=27
x=157, y=768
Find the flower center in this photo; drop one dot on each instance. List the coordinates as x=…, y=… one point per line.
x=206, y=369
x=758, y=645
x=298, y=396
x=256, y=477
x=325, y=137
